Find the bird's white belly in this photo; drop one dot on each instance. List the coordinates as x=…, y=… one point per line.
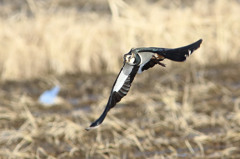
x=145, y=57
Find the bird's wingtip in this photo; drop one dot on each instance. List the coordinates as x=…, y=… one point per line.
x=88, y=128
x=91, y=127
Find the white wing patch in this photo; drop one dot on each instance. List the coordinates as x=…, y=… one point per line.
x=189, y=53
x=127, y=69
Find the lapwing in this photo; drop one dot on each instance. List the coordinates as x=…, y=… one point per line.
x=136, y=61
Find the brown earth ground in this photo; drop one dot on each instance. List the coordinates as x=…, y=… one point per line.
x=186, y=110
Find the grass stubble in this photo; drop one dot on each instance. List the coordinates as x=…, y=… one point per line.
x=187, y=110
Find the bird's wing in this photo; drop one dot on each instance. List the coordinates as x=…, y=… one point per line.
x=180, y=54
x=177, y=54
x=120, y=89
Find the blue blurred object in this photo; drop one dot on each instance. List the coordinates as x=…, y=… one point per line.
x=49, y=97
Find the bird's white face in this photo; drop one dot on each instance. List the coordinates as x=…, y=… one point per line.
x=130, y=59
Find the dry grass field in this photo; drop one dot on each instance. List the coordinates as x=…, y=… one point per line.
x=186, y=110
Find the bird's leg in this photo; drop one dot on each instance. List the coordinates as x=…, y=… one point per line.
x=157, y=60
x=162, y=64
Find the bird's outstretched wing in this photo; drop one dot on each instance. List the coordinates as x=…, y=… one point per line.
x=177, y=54
x=180, y=54
x=120, y=89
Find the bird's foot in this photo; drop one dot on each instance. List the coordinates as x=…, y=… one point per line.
x=162, y=64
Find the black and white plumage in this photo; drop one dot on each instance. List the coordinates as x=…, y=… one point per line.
x=137, y=61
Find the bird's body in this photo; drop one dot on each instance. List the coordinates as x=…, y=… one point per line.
x=136, y=61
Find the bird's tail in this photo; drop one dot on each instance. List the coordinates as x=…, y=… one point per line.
x=180, y=54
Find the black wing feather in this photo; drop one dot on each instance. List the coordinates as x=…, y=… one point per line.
x=180, y=54
x=116, y=97
x=177, y=54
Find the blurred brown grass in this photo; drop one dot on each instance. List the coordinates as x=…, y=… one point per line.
x=191, y=110
x=40, y=37
x=196, y=117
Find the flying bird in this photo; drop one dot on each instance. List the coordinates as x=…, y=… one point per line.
x=136, y=61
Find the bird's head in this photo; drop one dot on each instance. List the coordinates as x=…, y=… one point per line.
x=132, y=58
